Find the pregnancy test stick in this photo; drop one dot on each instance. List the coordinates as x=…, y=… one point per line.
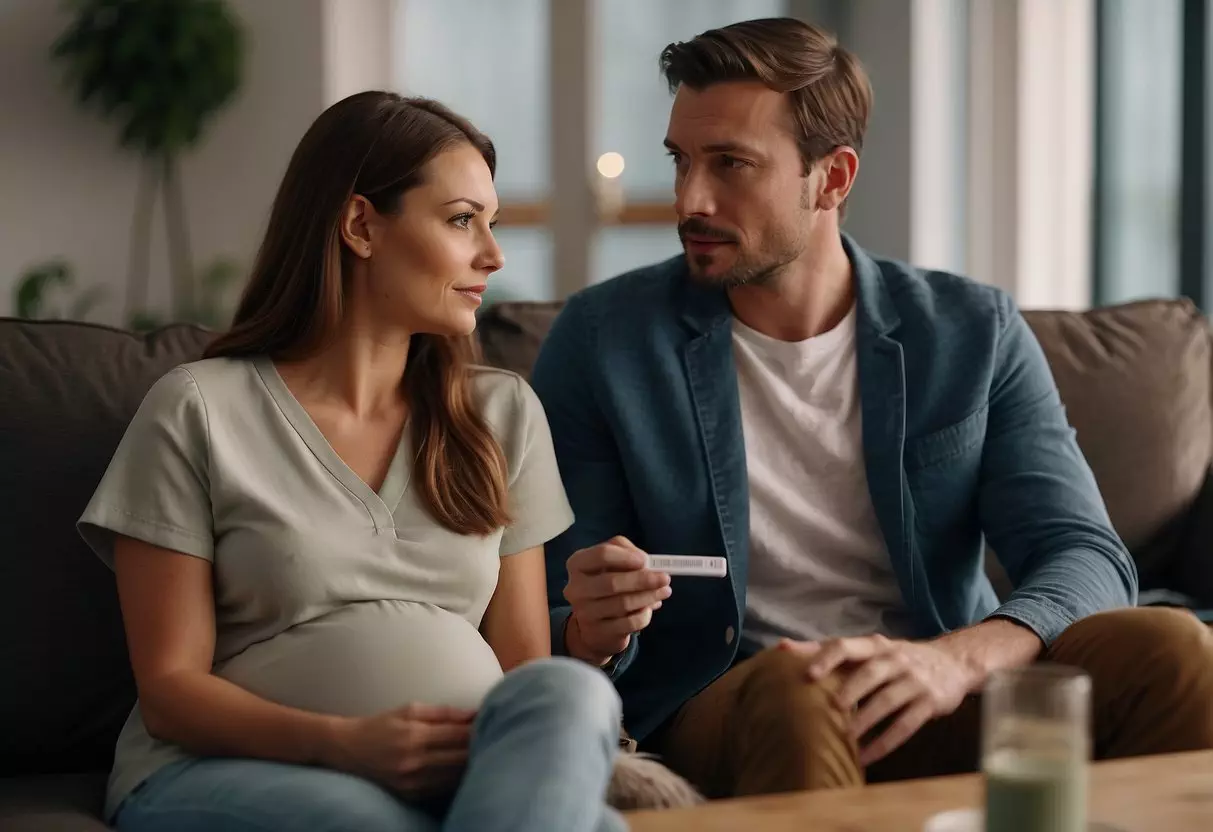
x=688, y=565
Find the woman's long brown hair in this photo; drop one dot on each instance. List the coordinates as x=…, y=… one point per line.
x=375, y=144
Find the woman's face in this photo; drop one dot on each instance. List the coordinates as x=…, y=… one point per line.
x=425, y=268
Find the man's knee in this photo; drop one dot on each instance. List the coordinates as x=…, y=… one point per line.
x=791, y=733
x=1152, y=671
x=779, y=695
x=1137, y=639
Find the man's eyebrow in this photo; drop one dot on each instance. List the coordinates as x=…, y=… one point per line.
x=719, y=147
x=477, y=205
x=731, y=147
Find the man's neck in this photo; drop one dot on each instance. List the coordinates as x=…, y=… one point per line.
x=810, y=296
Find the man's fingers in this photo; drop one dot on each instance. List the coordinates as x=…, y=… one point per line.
x=834, y=654
x=606, y=557
x=626, y=625
x=612, y=584
x=886, y=702
x=864, y=679
x=907, y=725
x=800, y=648
x=620, y=606
x=621, y=583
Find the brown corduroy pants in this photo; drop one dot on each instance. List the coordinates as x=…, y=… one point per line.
x=761, y=728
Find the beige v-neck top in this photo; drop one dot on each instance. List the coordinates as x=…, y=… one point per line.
x=329, y=596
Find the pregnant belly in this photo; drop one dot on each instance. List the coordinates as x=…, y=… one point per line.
x=370, y=657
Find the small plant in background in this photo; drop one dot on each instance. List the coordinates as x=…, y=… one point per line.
x=162, y=69
x=35, y=293
x=215, y=286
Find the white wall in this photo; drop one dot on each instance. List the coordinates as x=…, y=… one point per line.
x=357, y=46
x=878, y=211
x=66, y=189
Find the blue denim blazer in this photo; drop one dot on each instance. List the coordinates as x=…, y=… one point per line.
x=965, y=441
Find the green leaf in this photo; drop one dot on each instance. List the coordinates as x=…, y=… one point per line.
x=29, y=296
x=159, y=68
x=144, y=322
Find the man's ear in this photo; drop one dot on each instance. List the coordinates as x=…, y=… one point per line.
x=839, y=169
x=355, y=226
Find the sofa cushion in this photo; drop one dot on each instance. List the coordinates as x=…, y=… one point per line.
x=58, y=803
x=1135, y=380
x=69, y=390
x=510, y=333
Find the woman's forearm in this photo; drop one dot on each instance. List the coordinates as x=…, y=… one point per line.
x=208, y=715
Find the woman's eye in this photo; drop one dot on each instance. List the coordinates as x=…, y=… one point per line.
x=463, y=220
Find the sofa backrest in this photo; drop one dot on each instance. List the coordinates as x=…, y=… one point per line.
x=67, y=392
x=1136, y=380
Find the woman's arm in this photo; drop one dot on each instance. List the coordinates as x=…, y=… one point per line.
x=168, y=608
x=516, y=622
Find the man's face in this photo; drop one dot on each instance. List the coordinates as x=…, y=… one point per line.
x=743, y=198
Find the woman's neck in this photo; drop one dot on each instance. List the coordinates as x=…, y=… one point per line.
x=359, y=369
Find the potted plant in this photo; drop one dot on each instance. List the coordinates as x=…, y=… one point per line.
x=161, y=69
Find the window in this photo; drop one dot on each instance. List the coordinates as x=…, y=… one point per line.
x=1139, y=146
x=489, y=62
x=633, y=103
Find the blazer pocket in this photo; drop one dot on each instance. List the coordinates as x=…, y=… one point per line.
x=948, y=443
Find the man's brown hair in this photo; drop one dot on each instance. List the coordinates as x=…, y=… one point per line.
x=828, y=89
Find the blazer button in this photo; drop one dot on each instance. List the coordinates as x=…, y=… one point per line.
x=729, y=633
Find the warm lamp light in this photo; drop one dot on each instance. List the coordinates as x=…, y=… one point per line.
x=610, y=165
x=609, y=188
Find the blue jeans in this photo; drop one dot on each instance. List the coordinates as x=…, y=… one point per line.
x=542, y=752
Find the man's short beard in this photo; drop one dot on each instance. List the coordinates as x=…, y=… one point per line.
x=741, y=274
x=744, y=272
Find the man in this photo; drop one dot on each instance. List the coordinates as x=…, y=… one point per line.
x=844, y=430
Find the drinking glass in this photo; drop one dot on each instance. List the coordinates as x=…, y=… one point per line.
x=1036, y=749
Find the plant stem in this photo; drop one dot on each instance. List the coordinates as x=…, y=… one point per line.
x=141, y=238
x=178, y=241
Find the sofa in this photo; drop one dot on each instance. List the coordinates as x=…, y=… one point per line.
x=1136, y=380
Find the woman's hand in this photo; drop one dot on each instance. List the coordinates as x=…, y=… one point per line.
x=417, y=750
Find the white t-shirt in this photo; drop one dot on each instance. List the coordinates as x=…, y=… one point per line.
x=818, y=565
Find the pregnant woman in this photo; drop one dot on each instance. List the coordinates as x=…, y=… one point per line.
x=328, y=532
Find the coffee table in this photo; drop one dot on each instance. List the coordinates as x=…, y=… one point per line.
x=1166, y=793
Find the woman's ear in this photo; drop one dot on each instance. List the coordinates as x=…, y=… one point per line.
x=355, y=226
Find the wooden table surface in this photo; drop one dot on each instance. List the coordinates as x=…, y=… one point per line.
x=1171, y=793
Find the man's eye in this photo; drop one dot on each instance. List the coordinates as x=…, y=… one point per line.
x=732, y=162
